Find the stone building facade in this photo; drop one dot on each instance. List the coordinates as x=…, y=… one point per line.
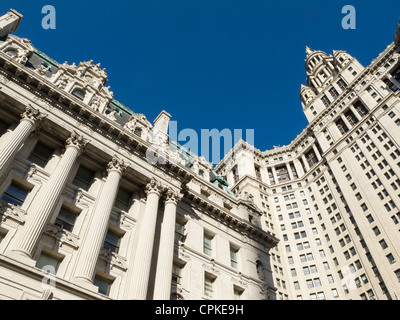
x=332, y=196
x=96, y=203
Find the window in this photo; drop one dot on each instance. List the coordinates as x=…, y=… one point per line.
x=112, y=241
x=123, y=199
x=66, y=219
x=41, y=154
x=177, y=273
x=83, y=178
x=80, y=94
x=15, y=194
x=180, y=231
x=103, y=284
x=208, y=285
x=207, y=245
x=335, y=293
x=234, y=257
x=48, y=263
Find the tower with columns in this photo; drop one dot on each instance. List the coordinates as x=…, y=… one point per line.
x=332, y=195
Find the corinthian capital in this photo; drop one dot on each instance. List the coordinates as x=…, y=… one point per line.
x=153, y=186
x=34, y=116
x=172, y=196
x=116, y=164
x=76, y=140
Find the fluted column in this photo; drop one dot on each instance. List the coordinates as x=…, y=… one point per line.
x=90, y=249
x=355, y=112
x=31, y=120
x=305, y=162
x=289, y=170
x=316, y=151
x=162, y=287
x=46, y=199
x=346, y=122
x=142, y=262
x=298, y=167
x=274, y=175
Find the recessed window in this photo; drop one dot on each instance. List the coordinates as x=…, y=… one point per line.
x=66, y=219
x=48, y=263
x=208, y=285
x=180, y=231
x=103, y=284
x=41, y=154
x=83, y=178
x=80, y=94
x=234, y=257
x=123, y=199
x=15, y=194
x=207, y=244
x=11, y=52
x=177, y=273
x=112, y=241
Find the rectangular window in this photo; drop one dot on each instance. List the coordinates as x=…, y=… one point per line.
x=41, y=155
x=66, y=219
x=112, y=241
x=180, y=231
x=103, y=284
x=83, y=178
x=177, y=273
x=207, y=245
x=48, y=263
x=123, y=199
x=208, y=286
x=15, y=194
x=234, y=257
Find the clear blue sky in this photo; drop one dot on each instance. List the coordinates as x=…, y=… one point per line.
x=209, y=63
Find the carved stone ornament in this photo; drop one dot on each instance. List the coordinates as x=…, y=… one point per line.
x=76, y=140
x=33, y=115
x=116, y=164
x=172, y=196
x=113, y=259
x=9, y=211
x=153, y=186
x=62, y=236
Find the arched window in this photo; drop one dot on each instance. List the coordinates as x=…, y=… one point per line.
x=79, y=93
x=11, y=52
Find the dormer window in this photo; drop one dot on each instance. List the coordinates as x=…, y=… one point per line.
x=79, y=93
x=11, y=52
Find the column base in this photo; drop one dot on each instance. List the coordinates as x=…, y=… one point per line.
x=21, y=256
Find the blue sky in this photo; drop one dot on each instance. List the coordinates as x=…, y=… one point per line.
x=209, y=63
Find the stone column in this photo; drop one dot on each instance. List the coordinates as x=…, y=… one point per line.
x=162, y=287
x=303, y=157
x=46, y=200
x=346, y=122
x=274, y=175
x=142, y=262
x=316, y=151
x=289, y=169
x=31, y=120
x=90, y=249
x=355, y=112
x=298, y=167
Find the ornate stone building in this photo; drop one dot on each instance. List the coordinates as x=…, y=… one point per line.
x=96, y=203
x=332, y=196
